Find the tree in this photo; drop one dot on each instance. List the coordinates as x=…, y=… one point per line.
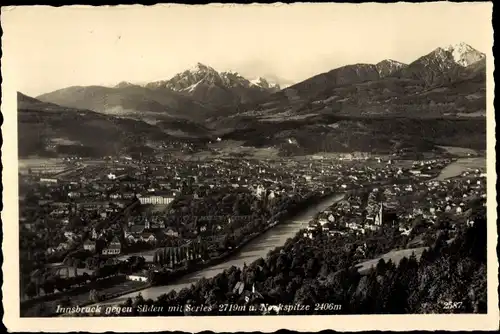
x=65, y=302
x=138, y=300
x=48, y=286
x=381, y=267
x=305, y=295
x=152, y=276
x=93, y=296
x=30, y=290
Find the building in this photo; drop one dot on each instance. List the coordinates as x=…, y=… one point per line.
x=148, y=237
x=379, y=217
x=171, y=233
x=89, y=245
x=259, y=191
x=137, y=277
x=48, y=180
x=156, y=198
x=114, y=247
x=47, y=169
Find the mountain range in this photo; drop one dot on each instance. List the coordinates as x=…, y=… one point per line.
x=208, y=86
x=48, y=129
x=320, y=113
x=195, y=94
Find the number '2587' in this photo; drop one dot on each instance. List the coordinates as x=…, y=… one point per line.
x=452, y=305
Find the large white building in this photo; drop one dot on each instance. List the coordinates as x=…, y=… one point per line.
x=155, y=199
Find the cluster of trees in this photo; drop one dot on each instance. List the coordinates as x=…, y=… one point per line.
x=372, y=134
x=132, y=265
x=48, y=282
x=233, y=216
x=215, y=244
x=319, y=271
x=51, y=283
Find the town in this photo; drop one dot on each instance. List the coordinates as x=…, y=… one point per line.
x=130, y=223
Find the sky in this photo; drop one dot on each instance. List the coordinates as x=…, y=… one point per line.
x=49, y=48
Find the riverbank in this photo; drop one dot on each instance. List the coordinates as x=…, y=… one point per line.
x=109, y=288
x=175, y=275
x=460, y=165
x=256, y=247
x=184, y=277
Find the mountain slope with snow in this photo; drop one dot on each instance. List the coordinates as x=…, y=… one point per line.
x=442, y=65
x=465, y=55
x=218, y=89
x=435, y=84
x=266, y=84
x=388, y=67
x=127, y=100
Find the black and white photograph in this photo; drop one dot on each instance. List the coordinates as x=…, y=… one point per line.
x=262, y=162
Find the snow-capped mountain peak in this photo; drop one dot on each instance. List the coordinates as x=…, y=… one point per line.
x=233, y=79
x=200, y=68
x=207, y=85
x=388, y=66
x=464, y=55
x=264, y=83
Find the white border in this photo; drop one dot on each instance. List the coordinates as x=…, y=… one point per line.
x=246, y=323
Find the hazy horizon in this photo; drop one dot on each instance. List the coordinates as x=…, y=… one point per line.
x=79, y=45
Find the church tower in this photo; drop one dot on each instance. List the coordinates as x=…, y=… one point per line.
x=379, y=217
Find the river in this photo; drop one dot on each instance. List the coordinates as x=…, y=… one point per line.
x=461, y=165
x=255, y=249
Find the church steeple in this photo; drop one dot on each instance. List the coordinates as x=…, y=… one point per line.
x=379, y=217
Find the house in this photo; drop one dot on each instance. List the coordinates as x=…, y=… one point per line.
x=128, y=195
x=69, y=235
x=29, y=225
x=352, y=225
x=372, y=227
x=158, y=223
x=137, y=277
x=73, y=194
x=171, y=233
x=259, y=191
x=114, y=247
x=48, y=180
x=135, y=231
x=89, y=245
x=322, y=221
x=148, y=237
x=271, y=195
x=63, y=246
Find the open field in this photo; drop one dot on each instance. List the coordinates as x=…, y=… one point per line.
x=459, y=151
x=395, y=256
x=461, y=165
x=35, y=161
x=49, y=307
x=147, y=255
